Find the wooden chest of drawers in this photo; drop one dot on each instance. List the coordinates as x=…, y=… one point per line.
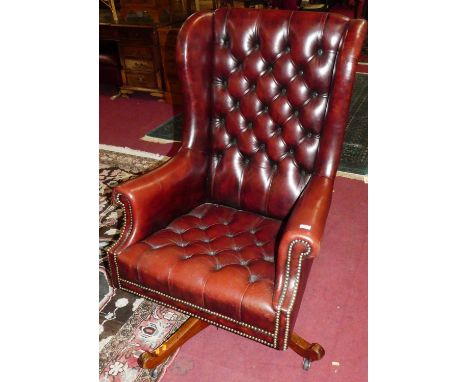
x=140, y=56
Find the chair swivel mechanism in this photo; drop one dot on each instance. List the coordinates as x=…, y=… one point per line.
x=227, y=230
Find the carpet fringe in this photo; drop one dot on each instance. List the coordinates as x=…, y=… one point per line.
x=157, y=140
x=129, y=151
x=350, y=175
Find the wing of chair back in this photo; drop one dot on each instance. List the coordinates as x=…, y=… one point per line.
x=153, y=200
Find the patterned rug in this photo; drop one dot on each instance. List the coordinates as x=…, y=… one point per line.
x=354, y=155
x=128, y=325
x=116, y=168
x=355, y=151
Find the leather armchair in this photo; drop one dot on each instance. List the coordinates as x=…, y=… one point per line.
x=228, y=229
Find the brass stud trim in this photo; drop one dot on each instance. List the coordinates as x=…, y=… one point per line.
x=284, y=290
x=121, y=241
x=199, y=308
x=201, y=318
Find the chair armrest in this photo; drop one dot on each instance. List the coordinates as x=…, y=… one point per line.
x=154, y=199
x=301, y=239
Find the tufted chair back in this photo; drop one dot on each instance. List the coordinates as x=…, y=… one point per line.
x=271, y=87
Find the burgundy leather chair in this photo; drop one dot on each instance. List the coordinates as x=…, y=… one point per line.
x=228, y=229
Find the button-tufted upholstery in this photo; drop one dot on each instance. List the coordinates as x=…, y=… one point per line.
x=270, y=93
x=227, y=230
x=212, y=243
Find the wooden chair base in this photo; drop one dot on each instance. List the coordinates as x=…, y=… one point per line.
x=150, y=360
x=310, y=352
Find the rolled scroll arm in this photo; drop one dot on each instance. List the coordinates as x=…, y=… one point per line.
x=299, y=244
x=154, y=199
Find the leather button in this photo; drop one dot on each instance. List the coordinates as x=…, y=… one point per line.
x=296, y=113
x=269, y=68
x=243, y=262
x=314, y=94
x=283, y=91
x=291, y=151
x=320, y=51
x=309, y=135
x=265, y=108
x=246, y=161
x=287, y=49
x=279, y=129
x=253, y=87
x=261, y=146
x=221, y=120
x=236, y=104
x=253, y=278
x=224, y=83
x=249, y=125
x=256, y=46
x=300, y=72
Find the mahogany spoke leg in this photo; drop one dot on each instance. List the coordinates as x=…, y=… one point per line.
x=149, y=360
x=310, y=352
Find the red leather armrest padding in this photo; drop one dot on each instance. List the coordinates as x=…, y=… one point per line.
x=156, y=198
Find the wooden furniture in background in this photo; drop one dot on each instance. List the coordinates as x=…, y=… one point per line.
x=146, y=39
x=139, y=55
x=167, y=42
x=161, y=11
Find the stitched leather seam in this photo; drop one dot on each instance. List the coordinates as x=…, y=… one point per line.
x=199, y=308
x=268, y=193
x=241, y=180
x=202, y=318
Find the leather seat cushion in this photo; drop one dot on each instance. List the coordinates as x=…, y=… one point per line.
x=215, y=257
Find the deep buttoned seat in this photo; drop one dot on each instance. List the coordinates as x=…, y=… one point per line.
x=228, y=253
